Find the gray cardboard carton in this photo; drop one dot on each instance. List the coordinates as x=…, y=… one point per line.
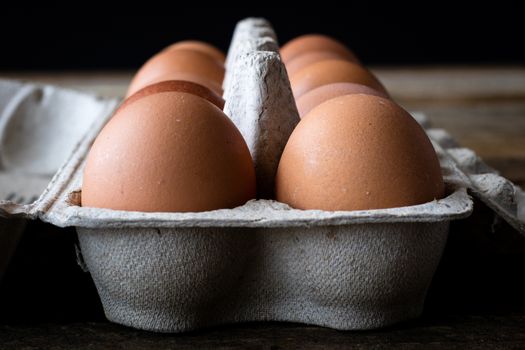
x=173, y=272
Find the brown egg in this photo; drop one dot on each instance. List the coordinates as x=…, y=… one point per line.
x=314, y=42
x=180, y=76
x=301, y=61
x=357, y=152
x=323, y=93
x=332, y=71
x=200, y=46
x=176, y=86
x=162, y=65
x=169, y=151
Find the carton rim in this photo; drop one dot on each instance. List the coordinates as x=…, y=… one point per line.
x=265, y=213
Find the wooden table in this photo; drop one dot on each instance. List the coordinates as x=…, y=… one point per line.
x=477, y=299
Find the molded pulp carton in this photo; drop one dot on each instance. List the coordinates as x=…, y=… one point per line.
x=173, y=272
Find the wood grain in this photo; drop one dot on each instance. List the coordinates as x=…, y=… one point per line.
x=452, y=332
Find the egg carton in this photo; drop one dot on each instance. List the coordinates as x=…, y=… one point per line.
x=485, y=183
x=174, y=272
x=40, y=126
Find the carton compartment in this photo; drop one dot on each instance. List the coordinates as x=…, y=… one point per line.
x=356, y=276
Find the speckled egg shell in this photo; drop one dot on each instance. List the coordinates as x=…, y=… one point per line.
x=357, y=152
x=166, y=64
x=308, y=58
x=332, y=71
x=314, y=42
x=200, y=46
x=176, y=86
x=323, y=93
x=169, y=151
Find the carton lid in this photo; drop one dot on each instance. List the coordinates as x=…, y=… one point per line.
x=40, y=126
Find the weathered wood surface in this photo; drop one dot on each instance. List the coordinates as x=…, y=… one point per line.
x=453, y=332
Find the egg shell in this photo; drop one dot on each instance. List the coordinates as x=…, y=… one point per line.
x=305, y=59
x=358, y=152
x=180, y=76
x=323, y=93
x=314, y=42
x=169, y=151
x=166, y=64
x=176, y=86
x=332, y=71
x=200, y=46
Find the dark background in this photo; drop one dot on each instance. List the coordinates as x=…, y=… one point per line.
x=92, y=36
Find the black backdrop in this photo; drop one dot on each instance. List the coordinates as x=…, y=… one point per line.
x=93, y=37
